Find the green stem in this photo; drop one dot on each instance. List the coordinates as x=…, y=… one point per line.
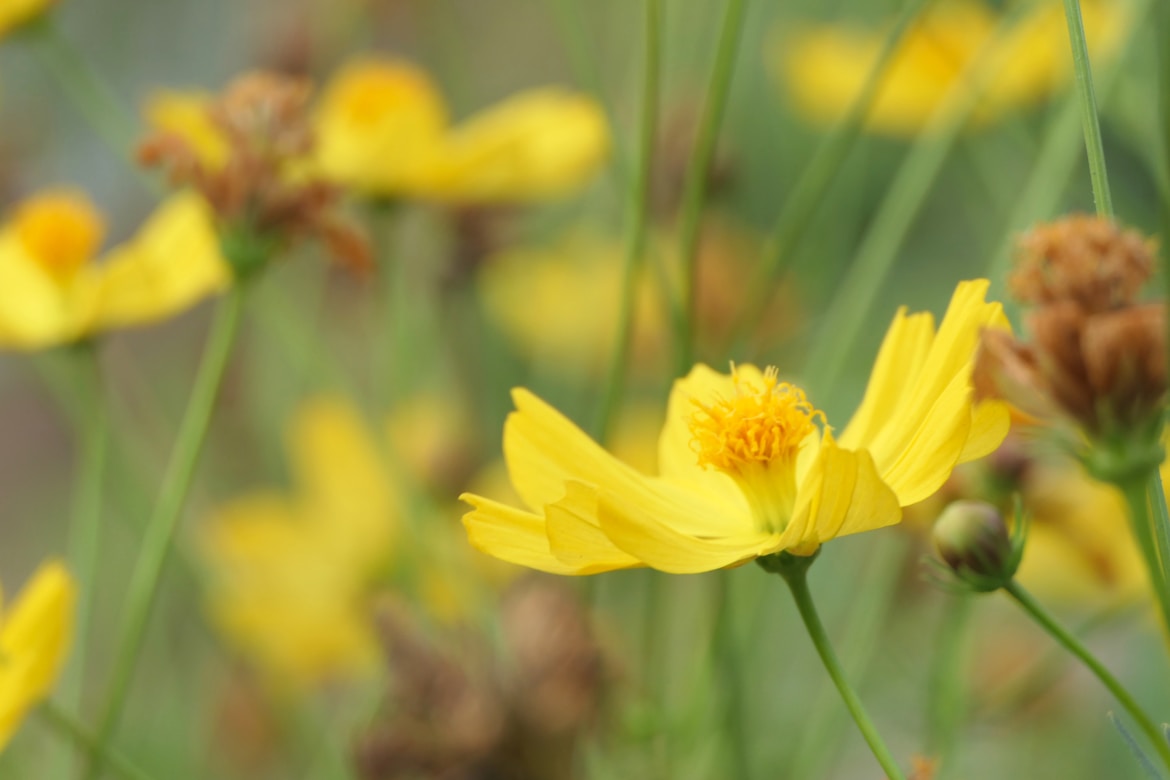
x=92, y=97
x=160, y=531
x=851, y=305
x=1074, y=646
x=639, y=209
x=1089, y=115
x=85, y=524
x=61, y=722
x=697, y=176
x=729, y=659
x=797, y=579
x=1147, y=527
x=809, y=191
x=948, y=692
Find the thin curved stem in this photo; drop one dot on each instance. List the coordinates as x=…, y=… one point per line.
x=160, y=531
x=729, y=658
x=1074, y=646
x=697, y=175
x=639, y=208
x=797, y=579
x=1147, y=514
x=85, y=523
x=1089, y=115
x=61, y=722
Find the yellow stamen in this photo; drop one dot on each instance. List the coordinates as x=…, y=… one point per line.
x=61, y=230
x=754, y=437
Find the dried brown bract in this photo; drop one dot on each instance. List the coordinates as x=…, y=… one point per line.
x=264, y=188
x=1096, y=354
x=471, y=715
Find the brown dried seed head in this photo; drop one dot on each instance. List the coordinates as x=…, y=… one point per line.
x=1089, y=260
x=1125, y=360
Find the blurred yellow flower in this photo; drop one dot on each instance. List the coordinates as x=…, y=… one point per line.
x=291, y=576
x=57, y=291
x=188, y=115
x=1079, y=547
x=745, y=470
x=14, y=13
x=825, y=67
x=537, y=144
x=35, y=633
x=379, y=123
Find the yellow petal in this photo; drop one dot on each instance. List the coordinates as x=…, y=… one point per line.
x=36, y=310
x=538, y=144
x=171, y=264
x=575, y=536
x=843, y=494
x=187, y=115
x=380, y=122
x=917, y=415
x=14, y=13
x=512, y=535
x=990, y=423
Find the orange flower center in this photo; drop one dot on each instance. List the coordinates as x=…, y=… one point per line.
x=61, y=231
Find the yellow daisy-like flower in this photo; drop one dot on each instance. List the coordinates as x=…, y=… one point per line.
x=825, y=67
x=747, y=467
x=291, y=576
x=15, y=13
x=56, y=289
x=35, y=633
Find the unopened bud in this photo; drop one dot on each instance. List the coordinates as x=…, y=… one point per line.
x=973, y=540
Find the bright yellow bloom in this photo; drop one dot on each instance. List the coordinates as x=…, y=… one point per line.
x=187, y=115
x=14, y=13
x=379, y=123
x=35, y=633
x=291, y=577
x=747, y=465
x=542, y=143
x=57, y=291
x=824, y=68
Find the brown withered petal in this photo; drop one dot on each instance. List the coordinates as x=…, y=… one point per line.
x=1006, y=368
x=1056, y=345
x=1090, y=260
x=1125, y=359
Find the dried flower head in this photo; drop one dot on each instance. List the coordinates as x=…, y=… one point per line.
x=260, y=188
x=1097, y=354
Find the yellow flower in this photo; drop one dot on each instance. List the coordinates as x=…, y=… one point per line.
x=745, y=466
x=379, y=123
x=188, y=116
x=14, y=13
x=542, y=143
x=35, y=633
x=824, y=68
x=291, y=577
x=57, y=291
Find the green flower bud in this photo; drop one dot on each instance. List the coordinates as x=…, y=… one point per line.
x=974, y=542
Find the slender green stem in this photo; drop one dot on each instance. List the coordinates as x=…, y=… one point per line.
x=637, y=221
x=797, y=579
x=852, y=304
x=1147, y=526
x=160, y=531
x=947, y=705
x=729, y=659
x=61, y=722
x=697, y=176
x=806, y=196
x=1162, y=25
x=92, y=97
x=85, y=525
x=1089, y=116
x=1074, y=646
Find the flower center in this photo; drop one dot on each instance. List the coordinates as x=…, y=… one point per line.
x=61, y=231
x=754, y=437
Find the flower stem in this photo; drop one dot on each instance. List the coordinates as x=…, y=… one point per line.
x=85, y=524
x=62, y=723
x=1143, y=494
x=697, y=175
x=797, y=578
x=1089, y=116
x=160, y=531
x=639, y=207
x=91, y=96
x=808, y=192
x=1074, y=646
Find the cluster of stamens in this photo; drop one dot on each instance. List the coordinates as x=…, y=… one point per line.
x=758, y=425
